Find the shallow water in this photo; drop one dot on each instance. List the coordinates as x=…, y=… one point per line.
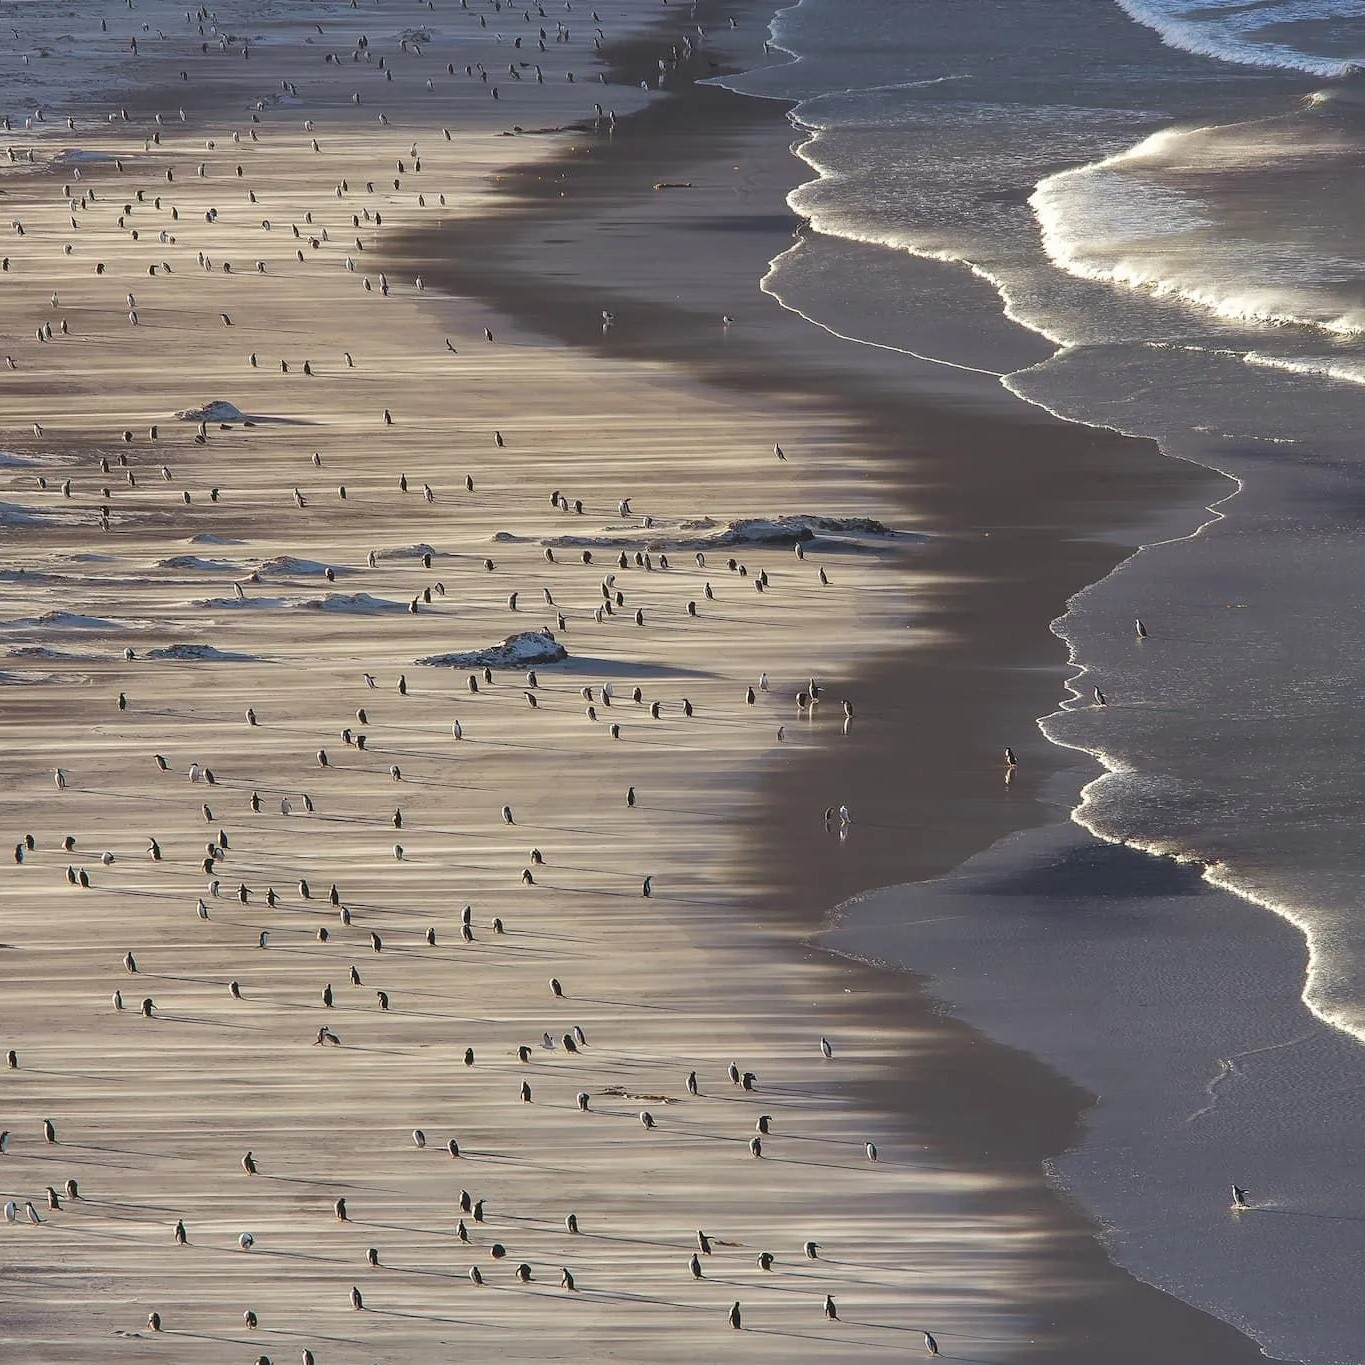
x=1166, y=197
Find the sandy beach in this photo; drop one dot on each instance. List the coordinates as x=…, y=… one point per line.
x=422, y=934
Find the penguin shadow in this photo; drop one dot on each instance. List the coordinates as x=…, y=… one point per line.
x=620, y=1004
x=814, y=1282
x=71, y=1075
x=67, y=1145
x=483, y=1157
x=650, y=1300
x=244, y=1342
x=329, y=1184
x=828, y=1338
x=701, y=1136
x=273, y=1333
x=277, y=1254
x=445, y=1234
x=1262, y=1210
x=620, y=1239
x=419, y=1272
x=864, y=1268
x=854, y=1143
x=162, y=1018
x=436, y=1317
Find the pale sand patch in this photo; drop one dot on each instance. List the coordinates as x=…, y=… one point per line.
x=153, y=1115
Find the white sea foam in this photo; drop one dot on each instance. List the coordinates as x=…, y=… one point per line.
x=1227, y=30
x=1345, y=370
x=1116, y=221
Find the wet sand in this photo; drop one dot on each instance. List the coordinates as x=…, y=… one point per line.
x=1025, y=510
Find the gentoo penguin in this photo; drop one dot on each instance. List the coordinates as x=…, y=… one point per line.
x=735, y=1320
x=703, y=1243
x=756, y=1146
x=249, y=1164
x=930, y=1344
x=831, y=1312
x=694, y=1265
x=826, y=1049
x=691, y=1082
x=566, y=1278
x=181, y=1236
x=339, y=1208
x=765, y=1260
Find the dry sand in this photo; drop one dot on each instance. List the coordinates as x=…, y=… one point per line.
x=153, y=1115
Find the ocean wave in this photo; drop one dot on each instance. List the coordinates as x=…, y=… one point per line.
x=1111, y=221
x=1318, y=994
x=1345, y=370
x=809, y=202
x=1226, y=31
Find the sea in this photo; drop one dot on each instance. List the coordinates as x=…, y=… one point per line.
x=1166, y=199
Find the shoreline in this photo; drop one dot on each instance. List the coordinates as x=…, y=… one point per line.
x=157, y=1105
x=970, y=666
